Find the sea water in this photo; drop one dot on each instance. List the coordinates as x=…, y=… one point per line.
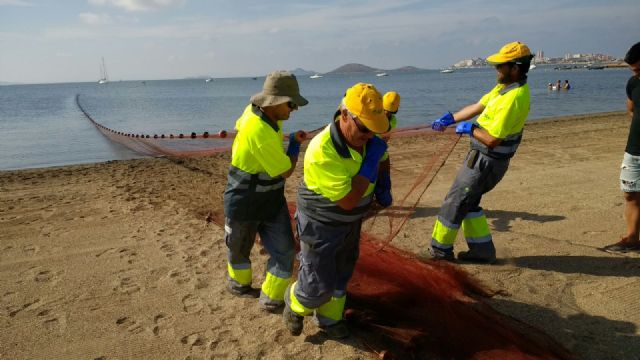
x=42, y=125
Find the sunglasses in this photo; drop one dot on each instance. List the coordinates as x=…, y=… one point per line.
x=363, y=129
x=293, y=106
x=509, y=64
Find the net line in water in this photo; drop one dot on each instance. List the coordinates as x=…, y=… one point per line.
x=206, y=144
x=401, y=307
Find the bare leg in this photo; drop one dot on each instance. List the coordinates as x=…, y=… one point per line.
x=632, y=216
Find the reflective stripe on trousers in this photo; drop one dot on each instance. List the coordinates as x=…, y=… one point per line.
x=461, y=207
x=328, y=256
x=327, y=314
x=277, y=239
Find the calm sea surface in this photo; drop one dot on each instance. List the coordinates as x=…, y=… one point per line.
x=42, y=126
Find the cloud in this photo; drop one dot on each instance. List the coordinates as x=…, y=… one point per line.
x=94, y=19
x=15, y=3
x=138, y=5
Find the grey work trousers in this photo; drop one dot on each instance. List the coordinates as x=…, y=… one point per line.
x=328, y=256
x=479, y=175
x=277, y=239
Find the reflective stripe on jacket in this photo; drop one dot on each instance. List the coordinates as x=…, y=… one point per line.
x=329, y=166
x=255, y=189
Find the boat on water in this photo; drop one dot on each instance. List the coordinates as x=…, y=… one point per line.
x=595, y=66
x=104, y=77
x=447, y=71
x=208, y=80
x=532, y=66
x=382, y=74
x=315, y=76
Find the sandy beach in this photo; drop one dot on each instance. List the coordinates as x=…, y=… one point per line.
x=118, y=261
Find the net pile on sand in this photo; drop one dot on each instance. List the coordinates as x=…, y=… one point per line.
x=401, y=306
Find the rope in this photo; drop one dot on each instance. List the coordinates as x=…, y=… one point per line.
x=393, y=233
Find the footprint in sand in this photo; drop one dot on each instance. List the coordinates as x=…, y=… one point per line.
x=13, y=310
x=47, y=276
x=163, y=325
x=30, y=249
x=105, y=252
x=194, y=340
x=192, y=304
x=201, y=283
x=127, y=285
x=199, y=344
x=129, y=325
x=55, y=323
x=39, y=275
x=169, y=250
x=128, y=254
x=179, y=276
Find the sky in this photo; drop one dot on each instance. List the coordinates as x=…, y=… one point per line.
x=47, y=41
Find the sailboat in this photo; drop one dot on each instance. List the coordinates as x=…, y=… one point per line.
x=104, y=78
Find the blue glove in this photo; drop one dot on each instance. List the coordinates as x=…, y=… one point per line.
x=443, y=122
x=382, y=190
x=465, y=128
x=375, y=148
x=294, y=145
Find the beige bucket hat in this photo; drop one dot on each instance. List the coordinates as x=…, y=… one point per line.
x=279, y=87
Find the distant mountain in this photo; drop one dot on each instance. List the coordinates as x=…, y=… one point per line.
x=302, y=72
x=7, y=83
x=364, y=69
x=197, y=77
x=353, y=69
x=408, y=69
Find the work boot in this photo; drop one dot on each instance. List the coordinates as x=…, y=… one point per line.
x=338, y=330
x=292, y=321
x=434, y=253
x=244, y=291
x=481, y=253
x=623, y=246
x=269, y=305
x=272, y=308
x=470, y=256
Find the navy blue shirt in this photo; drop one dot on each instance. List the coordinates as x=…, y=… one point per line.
x=633, y=93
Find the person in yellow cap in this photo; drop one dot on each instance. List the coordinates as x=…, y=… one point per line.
x=391, y=104
x=254, y=201
x=495, y=136
x=382, y=192
x=341, y=166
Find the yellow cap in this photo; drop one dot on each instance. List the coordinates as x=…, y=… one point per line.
x=365, y=102
x=391, y=101
x=512, y=52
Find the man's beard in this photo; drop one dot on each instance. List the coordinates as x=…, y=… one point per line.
x=504, y=79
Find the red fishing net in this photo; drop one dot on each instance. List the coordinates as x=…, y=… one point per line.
x=402, y=307
x=409, y=309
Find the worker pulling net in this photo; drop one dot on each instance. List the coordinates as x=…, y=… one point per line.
x=403, y=307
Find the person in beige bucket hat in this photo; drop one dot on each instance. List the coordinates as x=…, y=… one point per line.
x=254, y=201
x=279, y=87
